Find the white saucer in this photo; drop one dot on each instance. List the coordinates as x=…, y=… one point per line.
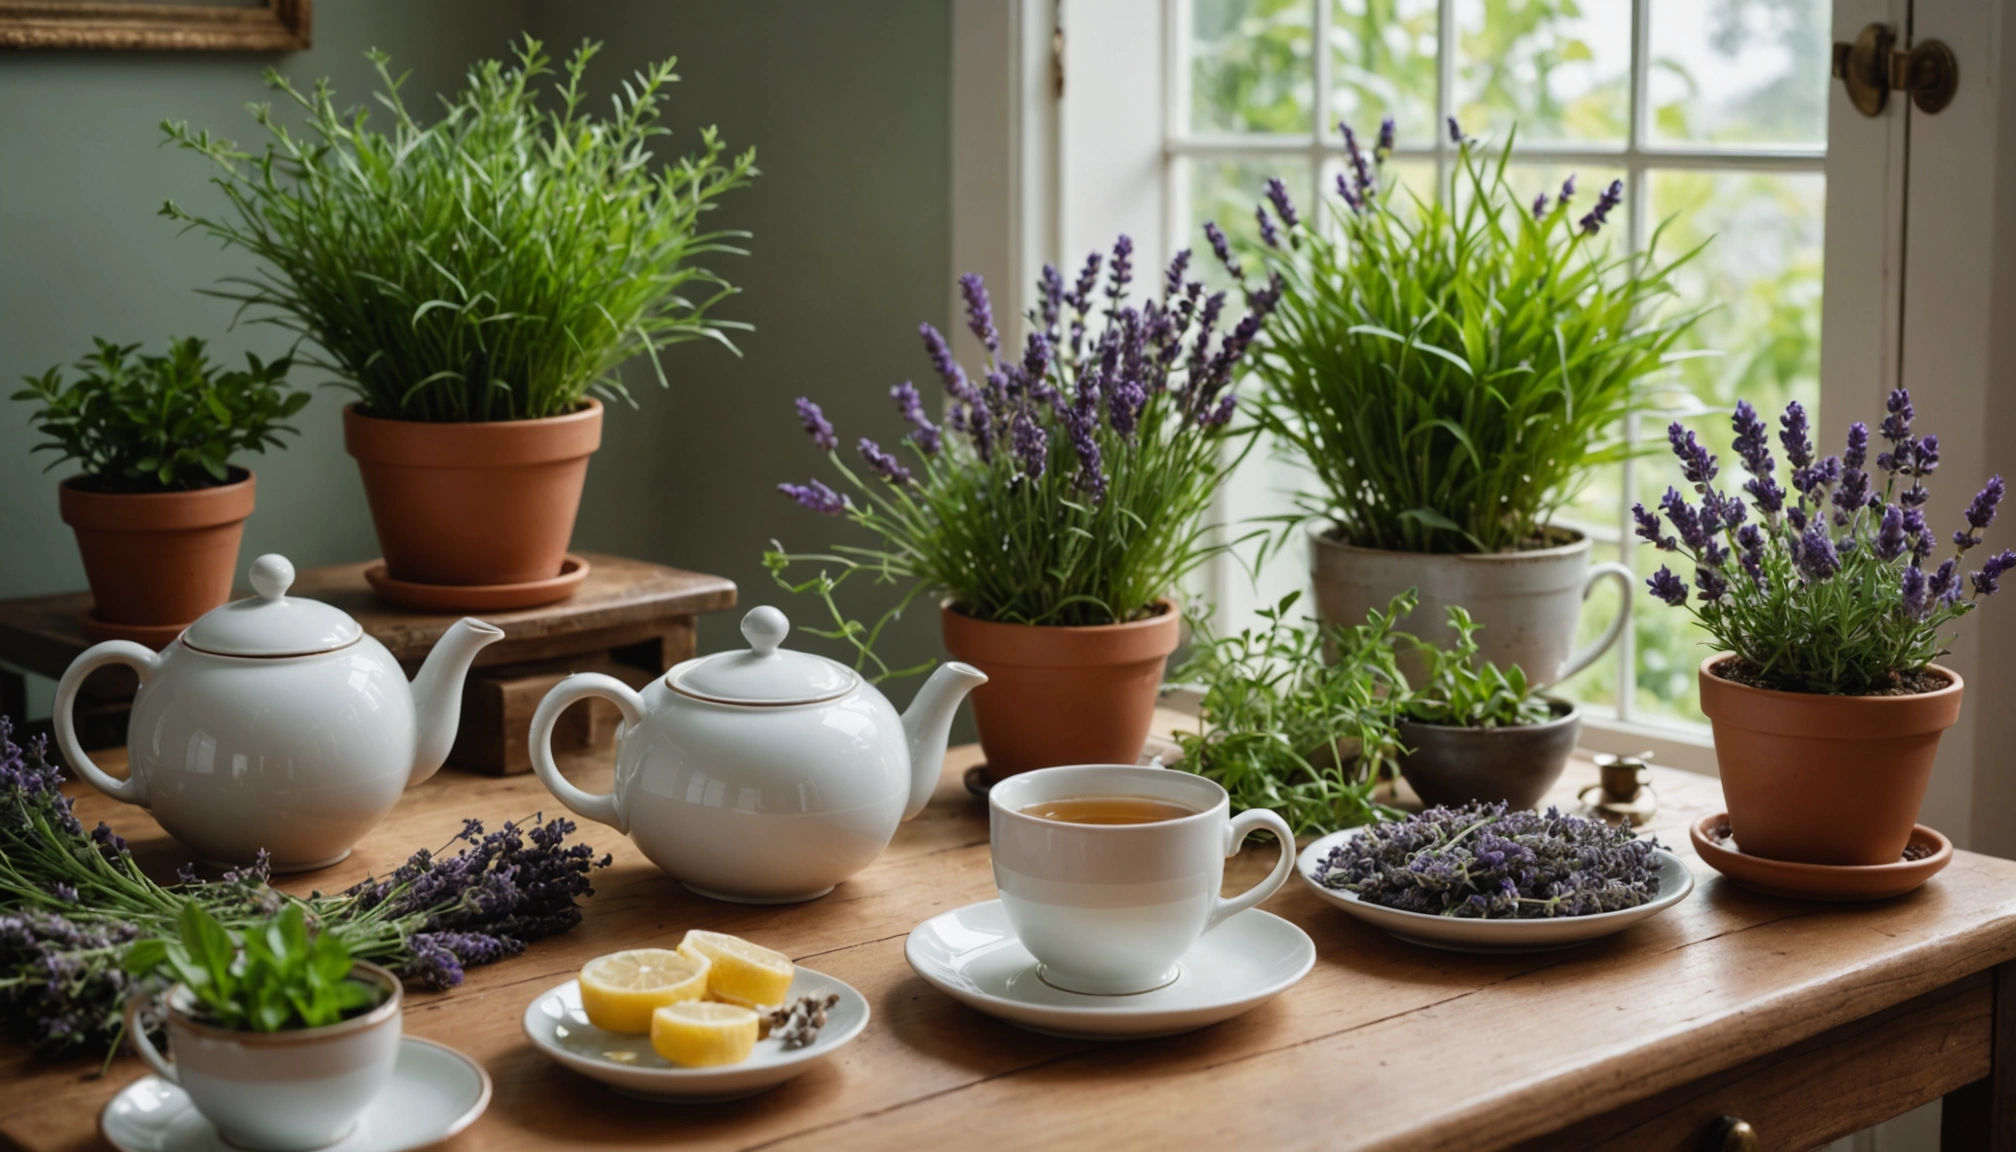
x=972, y=956
x=434, y=1093
x=1466, y=934
x=628, y=1063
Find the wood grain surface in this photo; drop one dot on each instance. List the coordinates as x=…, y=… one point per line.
x=1384, y=1045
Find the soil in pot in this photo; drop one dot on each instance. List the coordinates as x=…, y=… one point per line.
x=1818, y=779
x=1515, y=765
x=1070, y=695
x=474, y=504
x=157, y=560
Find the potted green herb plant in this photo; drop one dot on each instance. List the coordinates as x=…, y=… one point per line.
x=1296, y=716
x=280, y=1039
x=477, y=282
x=1478, y=733
x=1061, y=503
x=159, y=507
x=1451, y=375
x=1827, y=612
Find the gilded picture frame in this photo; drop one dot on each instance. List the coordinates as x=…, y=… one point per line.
x=270, y=26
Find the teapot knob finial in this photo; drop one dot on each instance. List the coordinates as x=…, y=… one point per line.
x=271, y=576
x=765, y=628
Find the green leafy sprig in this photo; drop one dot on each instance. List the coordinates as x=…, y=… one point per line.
x=160, y=423
x=268, y=977
x=1463, y=693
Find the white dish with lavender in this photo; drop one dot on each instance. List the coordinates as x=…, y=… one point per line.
x=1481, y=879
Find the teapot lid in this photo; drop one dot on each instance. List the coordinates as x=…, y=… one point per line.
x=270, y=622
x=764, y=673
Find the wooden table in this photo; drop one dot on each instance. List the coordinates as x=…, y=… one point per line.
x=1809, y=1020
x=630, y=618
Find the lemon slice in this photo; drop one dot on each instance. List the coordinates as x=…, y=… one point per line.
x=621, y=990
x=700, y=1034
x=740, y=972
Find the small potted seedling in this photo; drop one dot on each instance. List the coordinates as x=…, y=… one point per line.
x=280, y=1038
x=1478, y=732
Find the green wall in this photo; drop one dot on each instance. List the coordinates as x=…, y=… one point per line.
x=848, y=108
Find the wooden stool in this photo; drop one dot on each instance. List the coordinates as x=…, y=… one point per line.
x=630, y=619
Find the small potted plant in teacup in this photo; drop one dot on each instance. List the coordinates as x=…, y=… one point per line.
x=279, y=1038
x=1480, y=733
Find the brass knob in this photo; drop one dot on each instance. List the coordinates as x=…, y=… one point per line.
x=1872, y=67
x=1730, y=1134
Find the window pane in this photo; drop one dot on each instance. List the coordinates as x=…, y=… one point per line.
x=1383, y=64
x=1749, y=71
x=1558, y=69
x=1250, y=66
x=1762, y=270
x=1226, y=192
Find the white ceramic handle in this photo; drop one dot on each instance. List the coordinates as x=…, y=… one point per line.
x=1587, y=656
x=1236, y=831
x=598, y=806
x=162, y=1065
x=133, y=789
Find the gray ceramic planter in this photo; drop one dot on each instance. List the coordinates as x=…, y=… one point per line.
x=1455, y=766
x=1527, y=602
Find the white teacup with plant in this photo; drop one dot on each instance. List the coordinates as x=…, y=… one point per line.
x=278, y=1036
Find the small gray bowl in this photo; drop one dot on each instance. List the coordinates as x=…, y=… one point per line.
x=1453, y=766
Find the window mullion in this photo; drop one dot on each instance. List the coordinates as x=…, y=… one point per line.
x=1445, y=89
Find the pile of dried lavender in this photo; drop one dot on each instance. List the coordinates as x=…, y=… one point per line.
x=71, y=901
x=1482, y=862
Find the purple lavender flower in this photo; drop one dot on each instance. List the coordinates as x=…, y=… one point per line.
x=1750, y=545
x=979, y=311
x=1031, y=445
x=816, y=496
x=1268, y=234
x=1980, y=514
x=1817, y=556
x=1696, y=462
x=1080, y=296
x=1685, y=520
x=956, y=383
x=1856, y=454
x=1765, y=491
x=1648, y=529
x=1348, y=194
x=1988, y=579
x=1173, y=279
x=1796, y=516
x=1853, y=492
x=1277, y=194
x=1455, y=131
x=1917, y=534
x=1890, y=538
x=1897, y=425
x=1080, y=423
x=1222, y=414
x=1540, y=206
x=1600, y=214
x=1944, y=586
x=1123, y=406
x=1795, y=436
x=1668, y=587
x=1120, y=273
x=1912, y=592
x=1385, y=146
x=1720, y=513
x=1710, y=584
x=925, y=434
x=1361, y=174
x=882, y=463
x=1568, y=189
x=815, y=422
x=1222, y=249
x=1050, y=297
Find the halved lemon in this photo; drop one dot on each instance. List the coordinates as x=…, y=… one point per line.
x=701, y=1034
x=621, y=990
x=740, y=972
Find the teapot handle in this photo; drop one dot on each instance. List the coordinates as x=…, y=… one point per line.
x=133, y=789
x=601, y=807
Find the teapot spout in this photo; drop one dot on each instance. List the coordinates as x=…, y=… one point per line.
x=437, y=693
x=928, y=724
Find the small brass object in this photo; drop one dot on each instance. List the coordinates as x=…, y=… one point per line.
x=1873, y=66
x=1623, y=793
x=1730, y=1134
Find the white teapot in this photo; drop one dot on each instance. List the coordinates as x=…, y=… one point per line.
x=274, y=722
x=760, y=776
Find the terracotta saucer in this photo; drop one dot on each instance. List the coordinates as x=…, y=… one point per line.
x=477, y=597
x=1925, y=855
x=155, y=636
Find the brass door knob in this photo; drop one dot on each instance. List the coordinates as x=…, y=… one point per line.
x=1730, y=1134
x=1872, y=67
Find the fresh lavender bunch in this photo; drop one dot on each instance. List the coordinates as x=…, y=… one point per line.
x=1067, y=482
x=1483, y=862
x=1831, y=586
x=71, y=901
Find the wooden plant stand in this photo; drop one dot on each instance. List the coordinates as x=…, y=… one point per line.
x=630, y=619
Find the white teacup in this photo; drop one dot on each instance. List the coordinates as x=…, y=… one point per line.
x=1109, y=909
x=278, y=1091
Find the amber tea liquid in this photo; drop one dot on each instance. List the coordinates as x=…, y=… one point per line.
x=1109, y=810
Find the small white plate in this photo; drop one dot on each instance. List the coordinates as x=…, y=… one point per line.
x=972, y=955
x=434, y=1093
x=1468, y=934
x=627, y=1062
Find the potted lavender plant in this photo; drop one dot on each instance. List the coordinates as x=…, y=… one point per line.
x=1827, y=612
x=1060, y=504
x=1452, y=374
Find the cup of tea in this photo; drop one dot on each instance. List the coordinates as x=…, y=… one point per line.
x=1110, y=873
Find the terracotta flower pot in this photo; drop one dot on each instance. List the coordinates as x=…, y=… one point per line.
x=474, y=504
x=1517, y=765
x=1526, y=602
x=1818, y=779
x=1058, y=696
x=158, y=560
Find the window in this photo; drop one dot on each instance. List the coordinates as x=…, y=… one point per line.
x=1713, y=112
